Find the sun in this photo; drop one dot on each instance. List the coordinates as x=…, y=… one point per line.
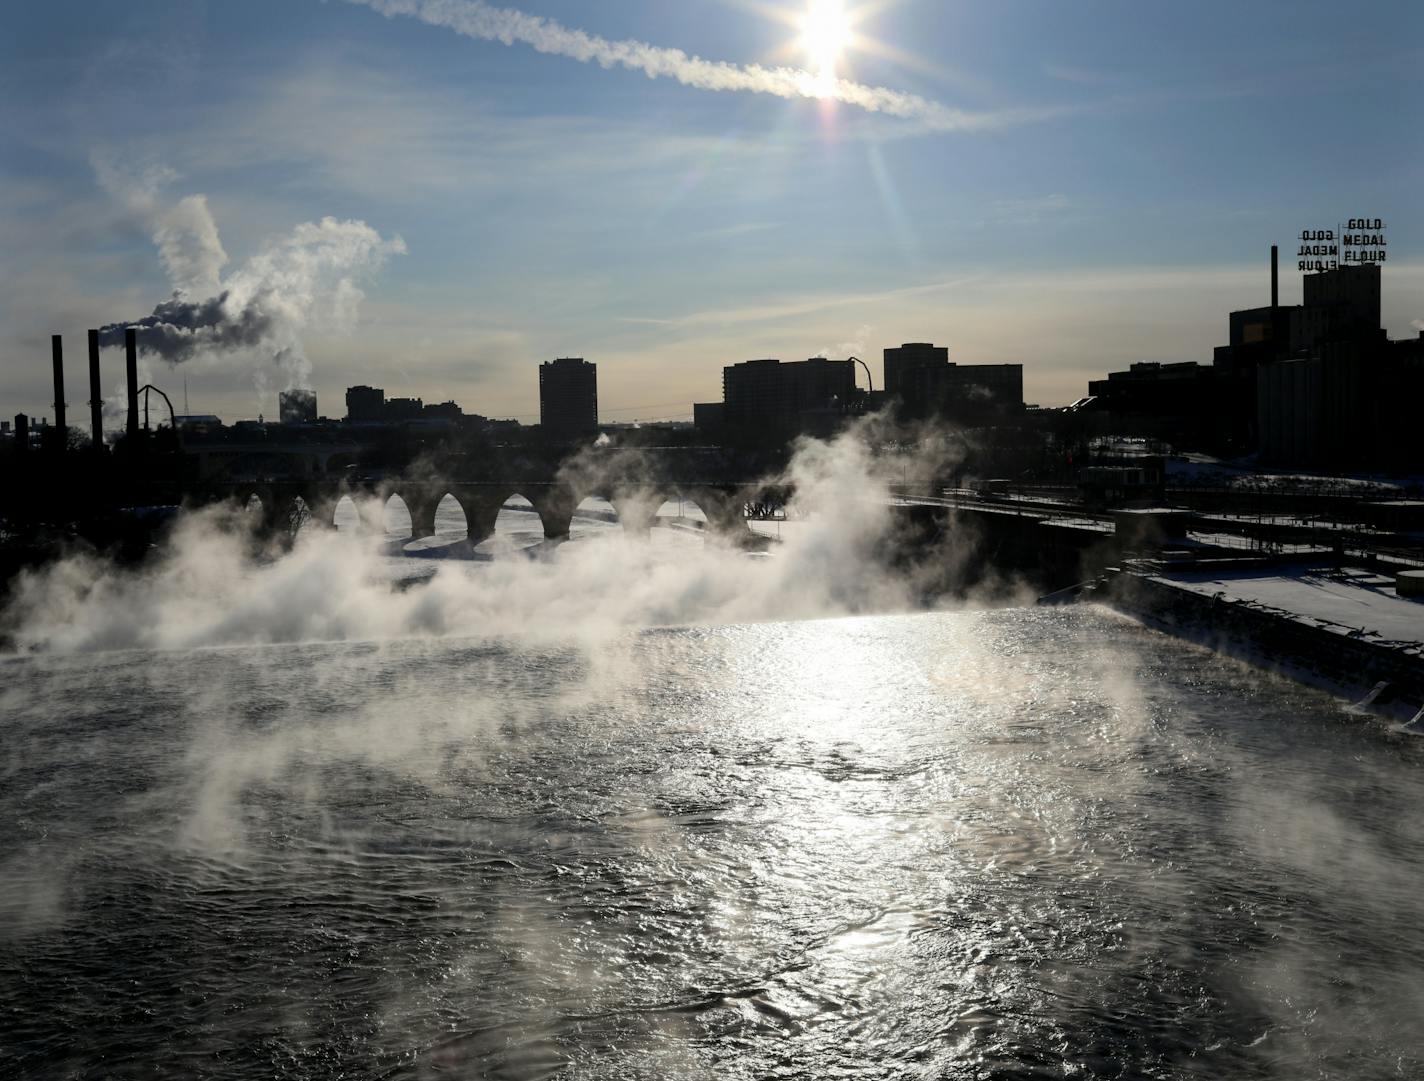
x=825, y=34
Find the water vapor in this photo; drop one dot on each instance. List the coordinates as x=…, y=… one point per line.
x=206, y=589
x=483, y=22
x=308, y=277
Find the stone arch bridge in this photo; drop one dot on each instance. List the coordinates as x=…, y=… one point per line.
x=555, y=502
x=636, y=481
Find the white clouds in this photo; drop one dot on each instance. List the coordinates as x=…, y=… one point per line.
x=477, y=19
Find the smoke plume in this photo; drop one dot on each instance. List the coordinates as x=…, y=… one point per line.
x=477, y=19
x=308, y=277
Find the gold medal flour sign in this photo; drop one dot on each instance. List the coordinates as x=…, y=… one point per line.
x=1356, y=242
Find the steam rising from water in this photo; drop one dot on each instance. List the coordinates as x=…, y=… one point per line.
x=206, y=589
x=943, y=846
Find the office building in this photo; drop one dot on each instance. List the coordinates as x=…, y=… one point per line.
x=568, y=398
x=767, y=396
x=912, y=356
x=708, y=418
x=968, y=393
x=442, y=411
x=365, y=405
x=398, y=409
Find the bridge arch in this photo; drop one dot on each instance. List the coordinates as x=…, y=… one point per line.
x=516, y=515
x=594, y=515
x=450, y=516
x=395, y=515
x=345, y=514
x=320, y=501
x=721, y=509
x=510, y=509
x=258, y=507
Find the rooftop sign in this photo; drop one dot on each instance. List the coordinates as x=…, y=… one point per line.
x=1356, y=242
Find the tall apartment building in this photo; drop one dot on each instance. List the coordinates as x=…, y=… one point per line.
x=770, y=395
x=966, y=392
x=365, y=404
x=901, y=360
x=568, y=398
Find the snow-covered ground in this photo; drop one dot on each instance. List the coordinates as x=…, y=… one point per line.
x=1206, y=471
x=1349, y=601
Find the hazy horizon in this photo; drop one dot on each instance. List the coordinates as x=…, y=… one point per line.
x=1021, y=185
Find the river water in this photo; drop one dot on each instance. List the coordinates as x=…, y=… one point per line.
x=1011, y=843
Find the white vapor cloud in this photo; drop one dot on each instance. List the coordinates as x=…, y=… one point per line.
x=185, y=234
x=479, y=20
x=308, y=277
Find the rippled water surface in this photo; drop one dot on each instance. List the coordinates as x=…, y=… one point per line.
x=1021, y=843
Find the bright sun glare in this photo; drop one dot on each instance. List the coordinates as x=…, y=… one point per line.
x=825, y=33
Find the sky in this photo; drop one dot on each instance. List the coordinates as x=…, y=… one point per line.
x=433, y=196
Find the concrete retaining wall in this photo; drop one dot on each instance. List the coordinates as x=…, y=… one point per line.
x=1353, y=667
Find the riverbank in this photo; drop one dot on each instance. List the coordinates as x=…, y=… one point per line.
x=1343, y=629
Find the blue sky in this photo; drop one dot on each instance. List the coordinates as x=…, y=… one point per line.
x=1113, y=192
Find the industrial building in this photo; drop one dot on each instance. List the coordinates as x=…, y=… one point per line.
x=1316, y=384
x=568, y=398
x=1185, y=403
x=1341, y=394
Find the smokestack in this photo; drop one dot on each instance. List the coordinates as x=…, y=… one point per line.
x=57, y=346
x=22, y=433
x=1275, y=276
x=96, y=398
x=131, y=357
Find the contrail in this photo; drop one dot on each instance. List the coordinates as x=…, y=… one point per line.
x=477, y=19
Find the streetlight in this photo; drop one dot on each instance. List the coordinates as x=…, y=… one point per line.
x=868, y=377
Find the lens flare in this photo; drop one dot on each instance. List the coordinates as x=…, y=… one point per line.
x=825, y=34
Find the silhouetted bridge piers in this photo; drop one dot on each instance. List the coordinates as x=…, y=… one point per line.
x=306, y=483
x=282, y=504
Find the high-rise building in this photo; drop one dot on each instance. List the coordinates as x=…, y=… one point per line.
x=403, y=409
x=899, y=362
x=296, y=406
x=768, y=394
x=568, y=398
x=708, y=417
x=442, y=411
x=365, y=404
x=964, y=392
